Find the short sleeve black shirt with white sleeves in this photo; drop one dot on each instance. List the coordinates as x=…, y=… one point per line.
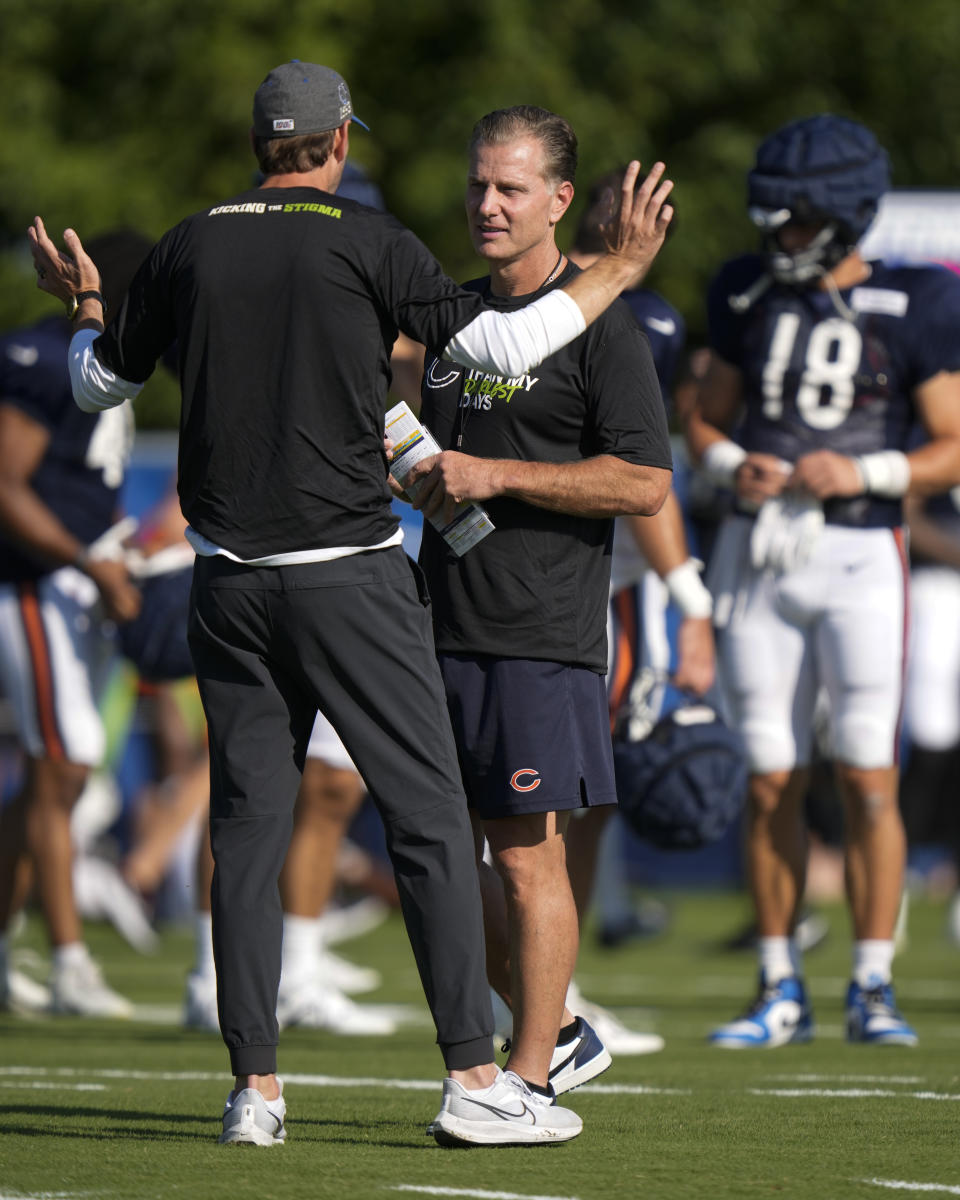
x=537, y=586
x=284, y=304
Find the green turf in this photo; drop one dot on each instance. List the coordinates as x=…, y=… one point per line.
x=710, y=1126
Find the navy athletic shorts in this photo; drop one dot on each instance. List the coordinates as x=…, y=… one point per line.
x=531, y=736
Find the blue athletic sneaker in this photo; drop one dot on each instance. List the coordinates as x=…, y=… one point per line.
x=583, y=1058
x=872, y=1016
x=780, y=1014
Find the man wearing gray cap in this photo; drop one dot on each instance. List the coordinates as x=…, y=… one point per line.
x=284, y=302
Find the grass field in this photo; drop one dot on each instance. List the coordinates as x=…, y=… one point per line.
x=131, y=1109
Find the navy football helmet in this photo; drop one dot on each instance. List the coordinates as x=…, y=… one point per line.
x=682, y=784
x=820, y=169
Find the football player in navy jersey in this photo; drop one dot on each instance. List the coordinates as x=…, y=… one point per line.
x=60, y=471
x=820, y=363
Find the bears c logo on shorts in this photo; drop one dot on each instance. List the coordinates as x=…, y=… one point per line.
x=517, y=776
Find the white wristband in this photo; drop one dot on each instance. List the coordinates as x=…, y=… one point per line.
x=886, y=473
x=721, y=460
x=687, y=589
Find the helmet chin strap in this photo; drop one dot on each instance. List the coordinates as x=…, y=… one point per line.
x=812, y=262
x=809, y=265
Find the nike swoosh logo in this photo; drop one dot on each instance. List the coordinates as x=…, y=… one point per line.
x=662, y=325
x=504, y=1113
x=23, y=356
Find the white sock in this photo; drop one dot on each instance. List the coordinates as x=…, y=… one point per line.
x=489, y=1088
x=873, y=961
x=70, y=955
x=775, y=958
x=203, y=944
x=301, y=941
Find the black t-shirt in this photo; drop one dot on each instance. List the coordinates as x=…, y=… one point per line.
x=537, y=586
x=284, y=304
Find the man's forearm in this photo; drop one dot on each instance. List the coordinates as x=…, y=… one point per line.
x=605, y=486
x=29, y=523
x=596, y=288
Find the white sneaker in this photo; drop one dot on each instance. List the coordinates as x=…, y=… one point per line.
x=346, y=976
x=611, y=1031
x=312, y=1005
x=200, y=1002
x=250, y=1120
x=80, y=990
x=340, y=923
x=507, y=1113
x=21, y=994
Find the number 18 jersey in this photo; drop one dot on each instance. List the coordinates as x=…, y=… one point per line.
x=815, y=378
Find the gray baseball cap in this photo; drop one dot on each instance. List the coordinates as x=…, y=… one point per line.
x=300, y=98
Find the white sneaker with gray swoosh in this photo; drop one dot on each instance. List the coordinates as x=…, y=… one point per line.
x=250, y=1120
x=507, y=1113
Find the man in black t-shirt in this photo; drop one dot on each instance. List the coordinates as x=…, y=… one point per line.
x=520, y=620
x=284, y=303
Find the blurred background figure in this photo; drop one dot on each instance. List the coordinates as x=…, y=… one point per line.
x=63, y=589
x=928, y=789
x=651, y=569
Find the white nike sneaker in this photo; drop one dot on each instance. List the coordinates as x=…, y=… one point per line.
x=346, y=976
x=507, y=1113
x=312, y=1005
x=21, y=994
x=611, y=1031
x=200, y=1002
x=250, y=1120
x=80, y=990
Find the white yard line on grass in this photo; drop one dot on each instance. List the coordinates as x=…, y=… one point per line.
x=40, y=1195
x=478, y=1192
x=847, y=1078
x=35, y=1084
x=329, y=1081
x=906, y=1185
x=850, y=1093
x=37, y=1077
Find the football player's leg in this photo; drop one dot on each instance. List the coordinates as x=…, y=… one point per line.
x=931, y=708
x=767, y=668
x=862, y=650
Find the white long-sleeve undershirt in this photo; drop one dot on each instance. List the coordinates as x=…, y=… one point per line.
x=501, y=343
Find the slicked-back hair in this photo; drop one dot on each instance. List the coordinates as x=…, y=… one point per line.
x=288, y=155
x=553, y=132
